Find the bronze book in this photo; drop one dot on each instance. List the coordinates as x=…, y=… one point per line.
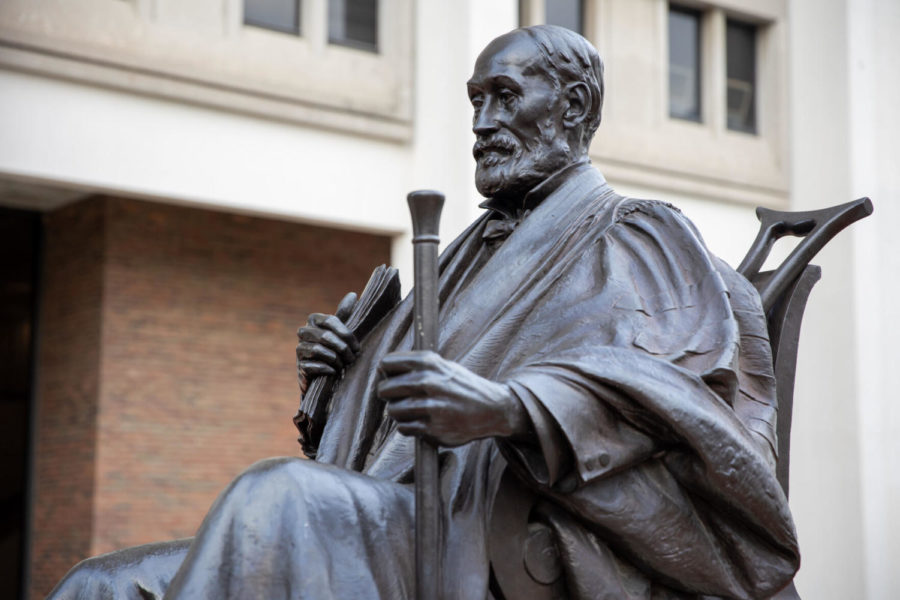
x=381, y=294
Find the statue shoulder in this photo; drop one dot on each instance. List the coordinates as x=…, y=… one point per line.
x=632, y=209
x=657, y=219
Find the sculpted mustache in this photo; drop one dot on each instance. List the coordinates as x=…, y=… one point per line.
x=499, y=143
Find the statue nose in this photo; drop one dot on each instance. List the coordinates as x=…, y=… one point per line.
x=485, y=122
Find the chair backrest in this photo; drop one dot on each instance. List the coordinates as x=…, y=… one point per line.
x=785, y=290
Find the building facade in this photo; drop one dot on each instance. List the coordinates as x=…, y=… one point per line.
x=181, y=183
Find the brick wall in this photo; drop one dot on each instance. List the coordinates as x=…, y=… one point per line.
x=197, y=377
x=68, y=391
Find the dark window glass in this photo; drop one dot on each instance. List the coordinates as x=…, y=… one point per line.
x=740, y=50
x=353, y=23
x=684, y=64
x=280, y=15
x=566, y=13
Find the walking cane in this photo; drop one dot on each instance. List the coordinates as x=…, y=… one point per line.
x=425, y=209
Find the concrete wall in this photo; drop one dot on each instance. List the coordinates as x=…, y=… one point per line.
x=845, y=60
x=874, y=142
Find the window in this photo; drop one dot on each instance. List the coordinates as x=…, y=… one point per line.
x=697, y=102
x=565, y=13
x=353, y=23
x=740, y=59
x=686, y=70
x=278, y=15
x=684, y=64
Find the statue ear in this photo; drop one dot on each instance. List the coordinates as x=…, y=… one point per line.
x=579, y=104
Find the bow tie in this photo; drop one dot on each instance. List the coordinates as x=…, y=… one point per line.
x=499, y=229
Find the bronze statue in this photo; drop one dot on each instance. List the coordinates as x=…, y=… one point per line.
x=592, y=354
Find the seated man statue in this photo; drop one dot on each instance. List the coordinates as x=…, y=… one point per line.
x=588, y=342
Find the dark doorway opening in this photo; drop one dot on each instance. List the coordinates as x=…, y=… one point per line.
x=20, y=243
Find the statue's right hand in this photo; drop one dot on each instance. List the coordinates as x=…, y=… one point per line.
x=326, y=345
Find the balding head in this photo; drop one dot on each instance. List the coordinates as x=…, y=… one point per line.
x=536, y=94
x=569, y=58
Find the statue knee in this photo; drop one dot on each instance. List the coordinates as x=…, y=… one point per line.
x=273, y=479
x=140, y=572
x=91, y=578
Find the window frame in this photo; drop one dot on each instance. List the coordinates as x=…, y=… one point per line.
x=713, y=51
x=296, y=29
x=534, y=12
x=356, y=44
x=755, y=30
x=699, y=15
x=640, y=144
x=203, y=53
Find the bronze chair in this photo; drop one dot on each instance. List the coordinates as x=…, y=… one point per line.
x=784, y=292
x=526, y=570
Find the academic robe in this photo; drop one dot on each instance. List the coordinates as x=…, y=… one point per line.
x=644, y=366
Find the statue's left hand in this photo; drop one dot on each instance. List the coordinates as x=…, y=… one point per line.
x=446, y=403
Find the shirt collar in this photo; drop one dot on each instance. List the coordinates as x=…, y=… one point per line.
x=538, y=194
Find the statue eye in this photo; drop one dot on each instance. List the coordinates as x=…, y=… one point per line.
x=477, y=100
x=507, y=98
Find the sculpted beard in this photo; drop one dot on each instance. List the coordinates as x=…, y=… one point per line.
x=506, y=167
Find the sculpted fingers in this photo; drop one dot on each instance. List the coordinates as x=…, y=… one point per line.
x=308, y=351
x=326, y=345
x=345, y=308
x=409, y=385
x=411, y=410
x=328, y=339
x=427, y=418
x=336, y=326
x=398, y=363
x=417, y=429
x=420, y=430
x=312, y=368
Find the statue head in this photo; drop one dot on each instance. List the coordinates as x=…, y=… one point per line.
x=537, y=94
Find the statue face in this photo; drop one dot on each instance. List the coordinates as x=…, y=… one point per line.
x=520, y=137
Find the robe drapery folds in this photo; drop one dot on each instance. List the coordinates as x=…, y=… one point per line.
x=645, y=367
